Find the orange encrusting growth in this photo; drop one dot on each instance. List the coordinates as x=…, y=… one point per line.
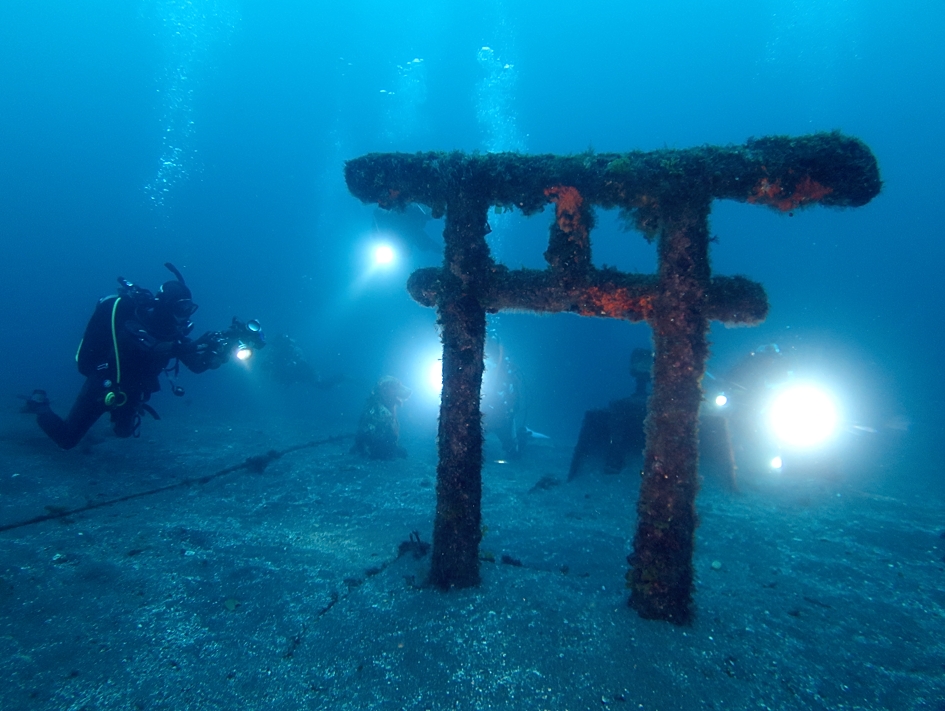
x=806, y=191
x=390, y=200
x=568, y=203
x=615, y=304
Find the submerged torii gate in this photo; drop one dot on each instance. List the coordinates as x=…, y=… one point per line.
x=667, y=194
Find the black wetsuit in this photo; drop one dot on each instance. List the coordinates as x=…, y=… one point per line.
x=122, y=358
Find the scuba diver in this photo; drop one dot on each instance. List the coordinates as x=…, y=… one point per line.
x=129, y=341
x=748, y=385
x=503, y=404
x=735, y=413
x=614, y=435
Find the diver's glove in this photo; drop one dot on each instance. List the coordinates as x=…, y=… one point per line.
x=208, y=352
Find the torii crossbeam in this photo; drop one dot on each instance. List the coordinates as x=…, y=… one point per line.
x=667, y=194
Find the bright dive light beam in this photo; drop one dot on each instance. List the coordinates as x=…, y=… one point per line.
x=383, y=255
x=435, y=377
x=803, y=416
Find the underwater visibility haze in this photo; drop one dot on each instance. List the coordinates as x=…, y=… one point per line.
x=238, y=552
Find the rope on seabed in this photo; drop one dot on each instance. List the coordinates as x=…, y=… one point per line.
x=254, y=464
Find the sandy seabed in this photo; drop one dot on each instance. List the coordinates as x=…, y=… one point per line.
x=284, y=589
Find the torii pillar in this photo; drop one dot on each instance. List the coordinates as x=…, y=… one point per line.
x=667, y=194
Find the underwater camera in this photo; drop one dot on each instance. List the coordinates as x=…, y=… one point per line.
x=240, y=340
x=248, y=337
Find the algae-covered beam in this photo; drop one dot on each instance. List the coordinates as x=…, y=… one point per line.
x=661, y=576
x=605, y=293
x=462, y=319
x=782, y=172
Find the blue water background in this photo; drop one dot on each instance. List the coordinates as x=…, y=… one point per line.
x=212, y=133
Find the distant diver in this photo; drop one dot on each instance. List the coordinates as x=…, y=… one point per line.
x=131, y=339
x=378, y=435
x=734, y=419
x=504, y=404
